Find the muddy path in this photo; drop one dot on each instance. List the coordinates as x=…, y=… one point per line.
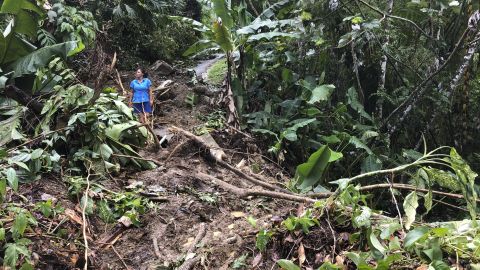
x=193, y=221
x=203, y=66
x=165, y=239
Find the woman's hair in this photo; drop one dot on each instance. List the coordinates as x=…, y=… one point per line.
x=145, y=74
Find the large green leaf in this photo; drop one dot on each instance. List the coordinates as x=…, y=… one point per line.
x=467, y=178
x=271, y=35
x=222, y=37
x=9, y=128
x=31, y=63
x=255, y=26
x=287, y=265
x=115, y=131
x=11, y=6
x=414, y=235
x=12, y=47
x=220, y=8
x=410, y=206
x=354, y=102
x=321, y=93
x=197, y=26
x=199, y=46
x=310, y=173
x=269, y=13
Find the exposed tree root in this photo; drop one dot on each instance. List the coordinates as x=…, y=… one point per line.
x=190, y=263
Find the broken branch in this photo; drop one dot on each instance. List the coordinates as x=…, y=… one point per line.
x=240, y=192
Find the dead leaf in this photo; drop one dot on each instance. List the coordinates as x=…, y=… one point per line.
x=72, y=215
x=231, y=226
x=301, y=254
x=189, y=242
x=73, y=259
x=237, y=214
x=422, y=267
x=340, y=261
x=257, y=260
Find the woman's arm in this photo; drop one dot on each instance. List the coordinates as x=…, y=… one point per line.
x=150, y=93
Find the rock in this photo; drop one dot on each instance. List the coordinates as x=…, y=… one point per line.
x=125, y=221
x=134, y=185
x=45, y=197
x=162, y=68
x=164, y=85
x=237, y=214
x=156, y=189
x=162, y=132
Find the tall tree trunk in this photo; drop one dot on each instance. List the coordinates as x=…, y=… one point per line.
x=383, y=63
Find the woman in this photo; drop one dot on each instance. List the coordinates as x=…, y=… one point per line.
x=142, y=97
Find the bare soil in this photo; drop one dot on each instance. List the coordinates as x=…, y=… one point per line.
x=187, y=204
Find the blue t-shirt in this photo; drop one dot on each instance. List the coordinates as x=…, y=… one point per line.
x=140, y=90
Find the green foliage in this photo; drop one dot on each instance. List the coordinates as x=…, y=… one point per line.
x=192, y=99
x=239, y=263
x=304, y=222
x=213, y=121
x=217, y=72
x=287, y=265
x=263, y=237
x=310, y=173
x=72, y=24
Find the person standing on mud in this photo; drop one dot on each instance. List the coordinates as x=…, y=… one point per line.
x=142, y=95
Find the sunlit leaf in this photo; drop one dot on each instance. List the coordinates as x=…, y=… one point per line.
x=410, y=206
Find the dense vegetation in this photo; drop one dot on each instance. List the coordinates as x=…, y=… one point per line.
x=352, y=98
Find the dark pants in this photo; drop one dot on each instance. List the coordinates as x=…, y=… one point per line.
x=142, y=107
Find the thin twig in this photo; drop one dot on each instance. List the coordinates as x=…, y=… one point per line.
x=396, y=203
x=155, y=247
x=120, y=257
x=84, y=225
x=175, y=150
x=139, y=158
x=398, y=18
x=395, y=186
x=333, y=235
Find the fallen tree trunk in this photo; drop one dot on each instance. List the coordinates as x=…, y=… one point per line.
x=224, y=164
x=242, y=193
x=20, y=96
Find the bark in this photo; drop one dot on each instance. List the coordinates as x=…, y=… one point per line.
x=383, y=62
x=417, y=93
x=357, y=75
x=17, y=94
x=242, y=193
x=462, y=69
x=256, y=180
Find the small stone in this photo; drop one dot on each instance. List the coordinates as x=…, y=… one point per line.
x=45, y=197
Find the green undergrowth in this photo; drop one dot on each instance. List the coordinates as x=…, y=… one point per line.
x=375, y=241
x=85, y=144
x=217, y=72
